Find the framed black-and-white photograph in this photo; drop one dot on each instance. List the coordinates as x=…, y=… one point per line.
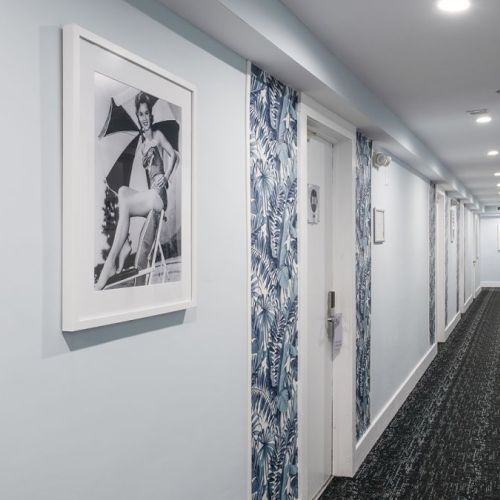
x=127, y=191
x=378, y=225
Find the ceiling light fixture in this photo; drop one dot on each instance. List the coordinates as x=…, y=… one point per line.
x=497, y=174
x=453, y=5
x=493, y=152
x=484, y=119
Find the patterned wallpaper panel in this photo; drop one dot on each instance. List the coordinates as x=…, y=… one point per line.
x=274, y=302
x=432, y=263
x=446, y=256
x=459, y=249
x=363, y=280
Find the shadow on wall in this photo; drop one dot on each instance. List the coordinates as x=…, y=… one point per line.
x=95, y=336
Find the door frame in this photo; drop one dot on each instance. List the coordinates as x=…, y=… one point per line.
x=440, y=265
x=343, y=136
x=477, y=264
x=461, y=255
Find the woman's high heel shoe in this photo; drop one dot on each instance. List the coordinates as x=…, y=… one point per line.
x=108, y=270
x=124, y=253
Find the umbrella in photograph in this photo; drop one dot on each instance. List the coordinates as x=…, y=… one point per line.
x=119, y=120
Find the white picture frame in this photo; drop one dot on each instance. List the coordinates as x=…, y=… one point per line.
x=378, y=226
x=165, y=281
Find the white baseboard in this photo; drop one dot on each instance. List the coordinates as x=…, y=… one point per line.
x=478, y=291
x=451, y=326
x=383, y=419
x=467, y=304
x=490, y=284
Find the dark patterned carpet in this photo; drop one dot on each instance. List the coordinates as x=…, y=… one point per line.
x=444, y=443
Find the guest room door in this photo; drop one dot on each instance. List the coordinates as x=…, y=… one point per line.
x=319, y=406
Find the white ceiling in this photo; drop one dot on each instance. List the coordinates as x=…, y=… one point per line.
x=427, y=67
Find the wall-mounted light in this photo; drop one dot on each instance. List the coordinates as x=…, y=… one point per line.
x=380, y=159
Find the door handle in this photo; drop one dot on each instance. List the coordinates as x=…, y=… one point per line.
x=330, y=326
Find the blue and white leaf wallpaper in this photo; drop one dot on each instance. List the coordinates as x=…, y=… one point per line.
x=432, y=262
x=274, y=287
x=446, y=255
x=459, y=249
x=364, y=149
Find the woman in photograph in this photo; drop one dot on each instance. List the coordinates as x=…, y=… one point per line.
x=159, y=159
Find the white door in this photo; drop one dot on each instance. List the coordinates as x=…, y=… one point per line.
x=476, y=253
x=319, y=344
x=440, y=268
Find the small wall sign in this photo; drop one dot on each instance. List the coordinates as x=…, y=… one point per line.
x=313, y=203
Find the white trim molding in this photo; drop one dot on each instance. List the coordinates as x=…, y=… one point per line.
x=467, y=304
x=451, y=325
x=383, y=419
x=338, y=132
x=249, y=284
x=490, y=284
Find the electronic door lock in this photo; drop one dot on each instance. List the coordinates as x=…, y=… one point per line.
x=330, y=316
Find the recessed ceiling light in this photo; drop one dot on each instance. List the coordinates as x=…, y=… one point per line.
x=493, y=152
x=483, y=119
x=497, y=174
x=453, y=5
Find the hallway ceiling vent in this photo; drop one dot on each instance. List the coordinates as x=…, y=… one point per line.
x=475, y=112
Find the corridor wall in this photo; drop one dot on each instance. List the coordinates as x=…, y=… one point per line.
x=161, y=410
x=400, y=281
x=489, y=252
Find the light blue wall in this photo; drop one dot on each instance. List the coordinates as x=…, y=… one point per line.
x=400, y=281
x=161, y=411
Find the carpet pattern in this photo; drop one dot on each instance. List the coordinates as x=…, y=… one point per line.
x=444, y=443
